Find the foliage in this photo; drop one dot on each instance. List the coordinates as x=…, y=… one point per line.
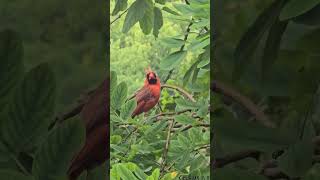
x=268, y=54
x=174, y=39
x=28, y=150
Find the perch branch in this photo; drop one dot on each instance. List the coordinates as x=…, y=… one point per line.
x=220, y=88
x=180, y=90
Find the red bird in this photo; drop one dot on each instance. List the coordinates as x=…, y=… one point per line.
x=148, y=96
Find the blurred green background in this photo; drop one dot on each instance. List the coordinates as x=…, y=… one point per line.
x=70, y=35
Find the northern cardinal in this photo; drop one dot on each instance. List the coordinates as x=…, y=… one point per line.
x=148, y=96
x=95, y=114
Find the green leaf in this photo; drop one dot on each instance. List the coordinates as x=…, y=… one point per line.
x=297, y=7
x=173, y=60
x=146, y=23
x=127, y=109
x=184, y=119
x=135, y=13
x=155, y=175
x=11, y=69
x=172, y=42
x=250, y=40
x=232, y=174
x=170, y=11
x=139, y=173
x=113, y=81
x=204, y=58
x=119, y=95
x=116, y=118
x=271, y=50
x=120, y=6
x=311, y=17
x=183, y=8
x=249, y=135
x=297, y=160
x=10, y=174
x=115, y=139
x=189, y=72
x=157, y=22
x=125, y=173
x=186, y=104
x=53, y=157
x=31, y=110
x=161, y=1
x=199, y=44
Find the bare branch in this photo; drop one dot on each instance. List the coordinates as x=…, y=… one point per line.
x=220, y=88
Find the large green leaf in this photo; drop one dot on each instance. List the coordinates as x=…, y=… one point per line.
x=184, y=119
x=157, y=22
x=127, y=109
x=120, y=6
x=173, y=60
x=135, y=13
x=250, y=40
x=297, y=7
x=11, y=69
x=119, y=95
x=172, y=42
x=113, y=81
x=311, y=17
x=232, y=174
x=14, y=175
x=32, y=109
x=297, y=160
x=249, y=135
x=147, y=21
x=53, y=157
x=270, y=53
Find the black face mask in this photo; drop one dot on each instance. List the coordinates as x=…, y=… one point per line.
x=152, y=81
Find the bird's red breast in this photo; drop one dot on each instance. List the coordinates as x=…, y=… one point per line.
x=148, y=96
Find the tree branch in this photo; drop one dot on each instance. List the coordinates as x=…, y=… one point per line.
x=220, y=88
x=180, y=90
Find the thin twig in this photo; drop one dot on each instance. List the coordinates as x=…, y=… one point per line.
x=166, y=148
x=197, y=125
x=120, y=15
x=180, y=90
x=169, y=114
x=221, y=88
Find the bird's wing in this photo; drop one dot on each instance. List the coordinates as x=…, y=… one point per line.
x=144, y=94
